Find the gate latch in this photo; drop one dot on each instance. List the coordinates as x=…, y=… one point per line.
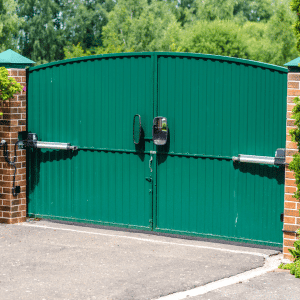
x=279, y=158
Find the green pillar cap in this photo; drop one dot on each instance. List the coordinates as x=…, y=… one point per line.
x=293, y=65
x=11, y=59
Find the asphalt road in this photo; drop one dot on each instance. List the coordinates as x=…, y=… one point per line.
x=46, y=260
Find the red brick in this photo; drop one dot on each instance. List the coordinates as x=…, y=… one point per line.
x=289, y=243
x=290, y=227
x=291, y=145
x=21, y=122
x=290, y=205
x=21, y=159
x=5, y=208
x=290, y=122
x=289, y=174
x=7, y=190
x=22, y=73
x=291, y=152
x=291, y=212
x=290, y=236
x=11, y=177
x=7, y=171
x=290, y=182
x=290, y=189
x=288, y=256
x=294, y=77
x=286, y=249
x=290, y=99
x=290, y=107
x=289, y=220
x=21, y=171
x=22, y=207
x=291, y=92
x=293, y=85
x=6, y=184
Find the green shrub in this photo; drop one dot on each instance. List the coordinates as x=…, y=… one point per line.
x=293, y=267
x=8, y=86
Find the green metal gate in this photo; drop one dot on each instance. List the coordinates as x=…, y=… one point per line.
x=216, y=107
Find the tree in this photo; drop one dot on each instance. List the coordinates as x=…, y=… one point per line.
x=215, y=9
x=9, y=23
x=217, y=37
x=242, y=10
x=136, y=26
x=295, y=6
x=255, y=11
x=84, y=20
x=42, y=32
x=272, y=42
x=280, y=34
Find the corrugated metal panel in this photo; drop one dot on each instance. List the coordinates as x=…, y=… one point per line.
x=221, y=108
x=218, y=109
x=91, y=104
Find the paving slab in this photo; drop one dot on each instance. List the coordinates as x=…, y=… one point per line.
x=278, y=285
x=46, y=260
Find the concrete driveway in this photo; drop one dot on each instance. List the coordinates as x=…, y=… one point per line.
x=49, y=260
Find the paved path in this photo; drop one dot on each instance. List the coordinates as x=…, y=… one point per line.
x=274, y=286
x=46, y=260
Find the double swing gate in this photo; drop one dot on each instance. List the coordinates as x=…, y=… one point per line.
x=178, y=173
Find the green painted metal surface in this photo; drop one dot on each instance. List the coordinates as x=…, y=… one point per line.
x=220, y=109
x=91, y=104
x=293, y=65
x=11, y=59
x=216, y=107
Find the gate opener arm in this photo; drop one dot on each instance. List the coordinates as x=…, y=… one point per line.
x=279, y=158
x=53, y=145
x=32, y=142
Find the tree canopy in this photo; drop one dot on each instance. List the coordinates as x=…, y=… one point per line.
x=49, y=30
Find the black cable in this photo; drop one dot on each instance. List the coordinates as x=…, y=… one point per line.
x=12, y=163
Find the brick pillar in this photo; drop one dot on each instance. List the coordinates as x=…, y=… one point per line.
x=291, y=205
x=13, y=208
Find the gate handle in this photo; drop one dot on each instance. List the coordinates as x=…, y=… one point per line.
x=150, y=163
